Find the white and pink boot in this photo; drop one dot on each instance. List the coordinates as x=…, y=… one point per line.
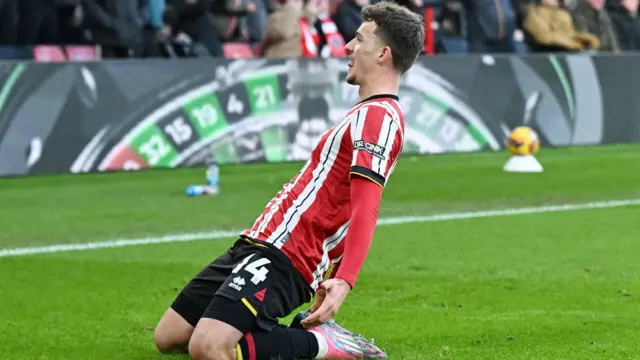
x=336, y=342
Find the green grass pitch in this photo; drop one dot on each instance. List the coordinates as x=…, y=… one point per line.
x=561, y=285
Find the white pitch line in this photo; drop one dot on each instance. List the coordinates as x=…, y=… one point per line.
x=381, y=222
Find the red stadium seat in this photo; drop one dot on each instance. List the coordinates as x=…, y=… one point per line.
x=257, y=49
x=238, y=50
x=48, y=53
x=81, y=52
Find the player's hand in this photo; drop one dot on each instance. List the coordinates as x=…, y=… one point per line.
x=329, y=298
x=321, y=294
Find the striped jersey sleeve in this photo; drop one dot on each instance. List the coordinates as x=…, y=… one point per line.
x=377, y=143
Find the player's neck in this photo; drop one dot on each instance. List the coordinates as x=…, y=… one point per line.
x=377, y=86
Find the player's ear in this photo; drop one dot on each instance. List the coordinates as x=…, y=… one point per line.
x=385, y=54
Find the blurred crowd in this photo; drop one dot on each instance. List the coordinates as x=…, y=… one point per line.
x=542, y=25
x=312, y=28
x=582, y=25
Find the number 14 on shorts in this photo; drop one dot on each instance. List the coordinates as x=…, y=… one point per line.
x=256, y=268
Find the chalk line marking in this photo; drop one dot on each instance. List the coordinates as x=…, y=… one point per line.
x=212, y=235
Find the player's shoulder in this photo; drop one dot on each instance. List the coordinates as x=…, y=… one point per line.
x=377, y=111
x=382, y=104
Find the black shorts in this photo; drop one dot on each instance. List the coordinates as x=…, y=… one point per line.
x=249, y=287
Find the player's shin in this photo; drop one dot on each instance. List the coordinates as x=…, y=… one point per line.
x=280, y=343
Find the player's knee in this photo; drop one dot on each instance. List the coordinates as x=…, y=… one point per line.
x=214, y=340
x=172, y=334
x=165, y=343
x=202, y=349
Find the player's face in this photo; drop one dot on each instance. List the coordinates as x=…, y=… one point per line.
x=363, y=51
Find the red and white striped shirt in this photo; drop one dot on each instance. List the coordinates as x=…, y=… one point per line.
x=308, y=219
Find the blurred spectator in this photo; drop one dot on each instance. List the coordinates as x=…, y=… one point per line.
x=257, y=21
x=8, y=21
x=490, y=25
x=230, y=18
x=70, y=30
x=310, y=39
x=348, y=18
x=329, y=41
x=117, y=25
x=154, y=31
x=624, y=16
x=551, y=29
x=520, y=9
x=295, y=29
x=589, y=16
x=417, y=6
x=308, y=28
x=192, y=17
x=187, y=30
x=283, y=34
x=156, y=14
x=37, y=22
x=449, y=18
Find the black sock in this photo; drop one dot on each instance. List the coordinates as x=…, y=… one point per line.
x=281, y=343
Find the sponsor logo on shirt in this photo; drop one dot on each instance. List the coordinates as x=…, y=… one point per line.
x=373, y=149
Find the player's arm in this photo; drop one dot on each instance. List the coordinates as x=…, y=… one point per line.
x=365, y=198
x=376, y=145
x=365, y=203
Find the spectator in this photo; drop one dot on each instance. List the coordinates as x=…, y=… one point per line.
x=230, y=18
x=38, y=22
x=288, y=33
x=154, y=31
x=192, y=17
x=270, y=5
x=449, y=18
x=9, y=22
x=624, y=16
x=490, y=25
x=117, y=25
x=329, y=40
x=417, y=6
x=520, y=9
x=257, y=21
x=156, y=14
x=551, y=29
x=348, y=18
x=173, y=39
x=282, y=35
x=589, y=16
x=310, y=38
x=70, y=29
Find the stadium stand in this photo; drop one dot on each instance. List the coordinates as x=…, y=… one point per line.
x=64, y=30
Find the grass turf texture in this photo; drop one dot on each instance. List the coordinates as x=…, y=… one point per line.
x=540, y=286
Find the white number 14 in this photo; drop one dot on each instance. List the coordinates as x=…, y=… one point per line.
x=256, y=269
